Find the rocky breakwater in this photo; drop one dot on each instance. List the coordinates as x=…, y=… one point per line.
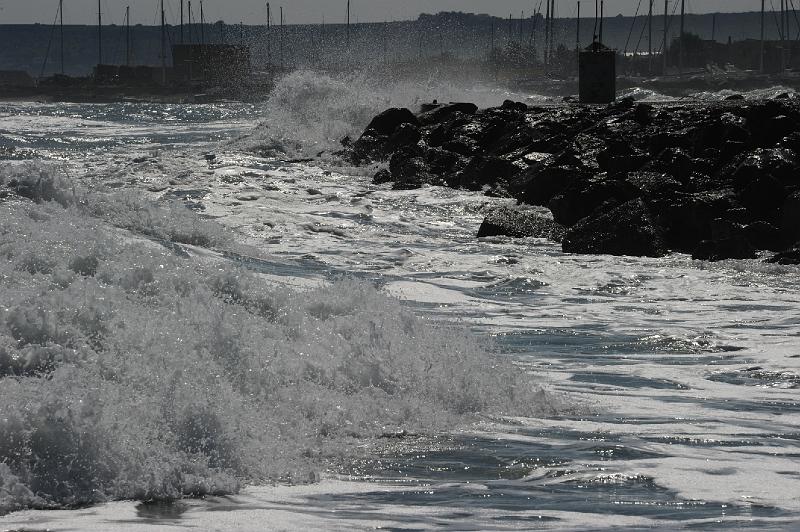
x=717, y=180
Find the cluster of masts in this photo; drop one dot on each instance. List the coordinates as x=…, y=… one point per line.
x=549, y=32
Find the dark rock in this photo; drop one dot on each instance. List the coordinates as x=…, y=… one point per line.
x=514, y=106
x=538, y=185
x=728, y=240
x=763, y=196
x=790, y=218
x=404, y=135
x=789, y=257
x=643, y=113
x=651, y=185
x=388, y=121
x=461, y=145
x=582, y=197
x=409, y=170
x=442, y=113
x=725, y=248
x=485, y=171
x=686, y=218
x=734, y=97
x=627, y=229
x=520, y=222
x=672, y=161
x=780, y=163
x=382, y=176
x=763, y=235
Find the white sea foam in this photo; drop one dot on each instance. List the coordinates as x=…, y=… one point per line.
x=128, y=371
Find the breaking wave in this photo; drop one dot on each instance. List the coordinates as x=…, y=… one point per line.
x=130, y=371
x=311, y=112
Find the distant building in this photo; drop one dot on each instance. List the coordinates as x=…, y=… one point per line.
x=220, y=63
x=16, y=78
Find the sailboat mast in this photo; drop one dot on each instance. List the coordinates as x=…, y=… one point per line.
x=348, y=24
x=761, y=55
x=547, y=34
x=650, y=39
x=282, y=64
x=128, y=35
x=99, y=34
x=182, y=22
x=666, y=28
x=163, y=46
x=61, y=14
x=269, y=36
x=202, y=24
x=680, y=42
x=602, y=16
x=578, y=29
x=190, y=21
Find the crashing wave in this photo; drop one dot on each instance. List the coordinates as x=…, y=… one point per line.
x=130, y=371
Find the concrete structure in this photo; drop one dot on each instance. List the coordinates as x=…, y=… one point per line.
x=597, y=74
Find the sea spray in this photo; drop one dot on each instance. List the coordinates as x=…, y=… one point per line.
x=309, y=112
x=130, y=371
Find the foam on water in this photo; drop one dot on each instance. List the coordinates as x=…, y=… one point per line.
x=128, y=370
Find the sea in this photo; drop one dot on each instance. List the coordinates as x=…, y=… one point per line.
x=210, y=321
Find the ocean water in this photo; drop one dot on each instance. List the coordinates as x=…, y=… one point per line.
x=206, y=313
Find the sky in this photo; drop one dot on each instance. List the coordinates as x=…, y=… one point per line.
x=312, y=11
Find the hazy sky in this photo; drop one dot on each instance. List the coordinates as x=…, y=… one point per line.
x=305, y=11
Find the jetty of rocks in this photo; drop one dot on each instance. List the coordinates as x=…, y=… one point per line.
x=718, y=180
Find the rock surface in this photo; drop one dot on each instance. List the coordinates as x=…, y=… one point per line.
x=520, y=222
x=718, y=181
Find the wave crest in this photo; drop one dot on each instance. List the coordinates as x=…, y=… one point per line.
x=130, y=371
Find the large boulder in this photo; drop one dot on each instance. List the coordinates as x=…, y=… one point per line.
x=442, y=112
x=687, y=217
x=484, y=171
x=728, y=240
x=628, y=229
x=540, y=184
x=790, y=218
x=582, y=197
x=788, y=257
x=388, y=121
x=521, y=222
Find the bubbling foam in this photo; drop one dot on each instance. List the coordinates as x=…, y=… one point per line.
x=127, y=371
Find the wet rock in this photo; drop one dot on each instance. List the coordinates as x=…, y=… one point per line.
x=409, y=170
x=724, y=248
x=790, y=218
x=441, y=113
x=764, y=235
x=382, y=176
x=643, y=113
x=628, y=229
x=789, y=257
x=481, y=172
x=405, y=135
x=651, y=185
x=520, y=222
x=763, y=196
x=580, y=198
x=620, y=157
x=388, y=121
x=538, y=185
x=687, y=217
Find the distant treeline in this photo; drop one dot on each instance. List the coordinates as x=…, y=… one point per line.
x=456, y=35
